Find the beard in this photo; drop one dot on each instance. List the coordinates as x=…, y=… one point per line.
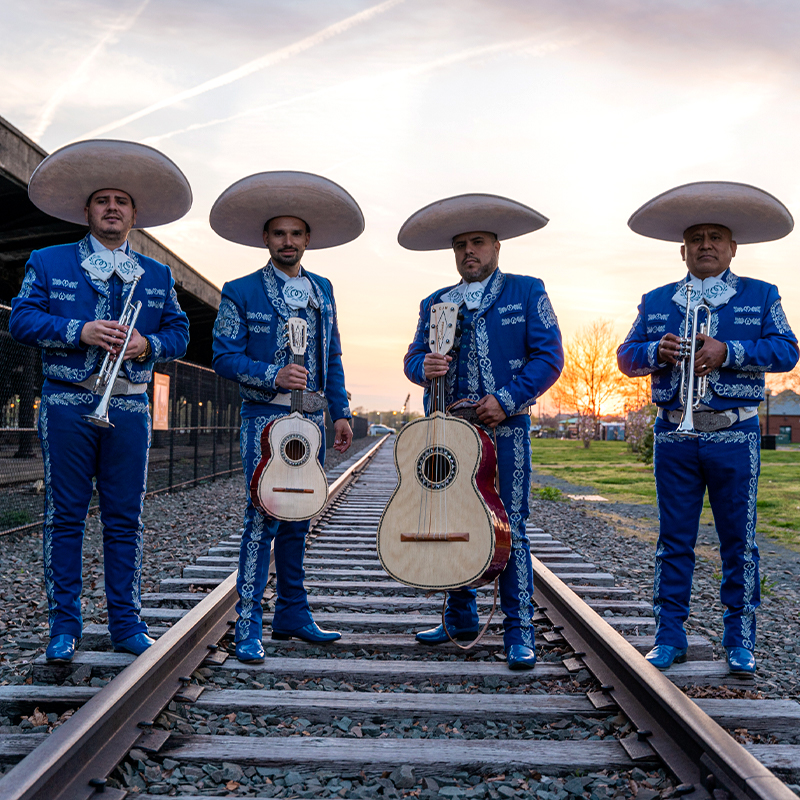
x=286, y=259
x=476, y=272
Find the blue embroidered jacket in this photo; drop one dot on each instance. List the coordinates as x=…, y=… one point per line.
x=58, y=297
x=752, y=324
x=250, y=340
x=509, y=347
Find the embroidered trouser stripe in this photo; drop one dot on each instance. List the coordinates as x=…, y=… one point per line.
x=516, y=580
x=291, y=607
x=727, y=463
x=74, y=451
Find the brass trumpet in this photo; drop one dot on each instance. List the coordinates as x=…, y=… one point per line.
x=112, y=363
x=692, y=387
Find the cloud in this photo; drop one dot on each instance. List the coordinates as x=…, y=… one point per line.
x=251, y=67
x=73, y=82
x=530, y=46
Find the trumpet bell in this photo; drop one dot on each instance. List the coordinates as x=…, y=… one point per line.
x=102, y=421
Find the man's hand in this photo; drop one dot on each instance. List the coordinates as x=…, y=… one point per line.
x=292, y=376
x=709, y=354
x=489, y=411
x=669, y=349
x=136, y=346
x=104, y=333
x=342, y=435
x=436, y=365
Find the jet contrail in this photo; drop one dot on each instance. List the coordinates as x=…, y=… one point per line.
x=527, y=45
x=252, y=66
x=76, y=79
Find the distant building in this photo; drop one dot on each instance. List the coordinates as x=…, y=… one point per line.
x=784, y=416
x=612, y=431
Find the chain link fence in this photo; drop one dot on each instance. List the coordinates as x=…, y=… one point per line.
x=195, y=436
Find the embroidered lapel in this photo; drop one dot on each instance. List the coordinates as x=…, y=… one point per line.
x=323, y=323
x=491, y=293
x=274, y=295
x=84, y=250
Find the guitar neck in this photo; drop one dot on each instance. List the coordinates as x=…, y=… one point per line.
x=437, y=395
x=297, y=394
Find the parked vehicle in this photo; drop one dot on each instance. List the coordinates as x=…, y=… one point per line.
x=379, y=430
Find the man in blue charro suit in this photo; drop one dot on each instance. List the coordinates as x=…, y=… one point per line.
x=287, y=212
x=68, y=305
x=507, y=352
x=748, y=337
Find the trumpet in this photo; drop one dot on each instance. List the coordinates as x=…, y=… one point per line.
x=693, y=388
x=112, y=363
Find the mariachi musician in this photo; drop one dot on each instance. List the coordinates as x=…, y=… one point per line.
x=69, y=306
x=507, y=352
x=748, y=336
x=286, y=212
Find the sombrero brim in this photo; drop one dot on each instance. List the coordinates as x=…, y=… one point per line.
x=64, y=181
x=751, y=214
x=434, y=226
x=240, y=212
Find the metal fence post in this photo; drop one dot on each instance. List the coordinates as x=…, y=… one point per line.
x=172, y=422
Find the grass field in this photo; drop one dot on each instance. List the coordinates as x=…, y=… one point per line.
x=611, y=470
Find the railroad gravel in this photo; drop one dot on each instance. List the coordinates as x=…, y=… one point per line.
x=168, y=777
x=620, y=538
x=179, y=527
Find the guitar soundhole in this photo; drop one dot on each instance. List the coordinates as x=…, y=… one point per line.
x=436, y=468
x=295, y=450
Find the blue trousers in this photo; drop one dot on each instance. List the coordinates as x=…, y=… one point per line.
x=727, y=463
x=516, y=580
x=74, y=451
x=291, y=607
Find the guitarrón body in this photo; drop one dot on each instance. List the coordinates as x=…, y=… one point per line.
x=289, y=482
x=445, y=526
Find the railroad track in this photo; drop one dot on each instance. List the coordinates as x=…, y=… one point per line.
x=377, y=712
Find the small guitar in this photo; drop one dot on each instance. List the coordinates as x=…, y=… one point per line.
x=289, y=482
x=445, y=526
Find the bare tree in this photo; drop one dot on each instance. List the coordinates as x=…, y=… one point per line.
x=591, y=381
x=780, y=381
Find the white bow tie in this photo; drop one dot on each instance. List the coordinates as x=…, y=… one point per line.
x=297, y=293
x=104, y=263
x=470, y=294
x=714, y=291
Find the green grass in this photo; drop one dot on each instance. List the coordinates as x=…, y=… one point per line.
x=612, y=471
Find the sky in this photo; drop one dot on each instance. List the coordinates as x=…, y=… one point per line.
x=581, y=109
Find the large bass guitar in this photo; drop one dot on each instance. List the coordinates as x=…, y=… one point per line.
x=289, y=482
x=445, y=526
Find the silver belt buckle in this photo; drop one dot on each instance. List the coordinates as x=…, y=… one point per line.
x=710, y=421
x=313, y=402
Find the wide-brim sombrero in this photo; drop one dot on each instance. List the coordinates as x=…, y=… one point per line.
x=434, y=226
x=240, y=212
x=62, y=184
x=751, y=214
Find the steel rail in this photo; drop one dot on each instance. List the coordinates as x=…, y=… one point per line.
x=697, y=750
x=75, y=760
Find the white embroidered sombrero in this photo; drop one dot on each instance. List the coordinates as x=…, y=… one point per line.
x=751, y=214
x=240, y=212
x=434, y=226
x=62, y=184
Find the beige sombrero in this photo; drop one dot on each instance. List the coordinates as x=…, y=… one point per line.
x=64, y=181
x=751, y=214
x=434, y=226
x=240, y=212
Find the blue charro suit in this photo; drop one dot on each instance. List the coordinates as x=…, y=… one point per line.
x=250, y=346
x=57, y=298
x=727, y=462
x=509, y=347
